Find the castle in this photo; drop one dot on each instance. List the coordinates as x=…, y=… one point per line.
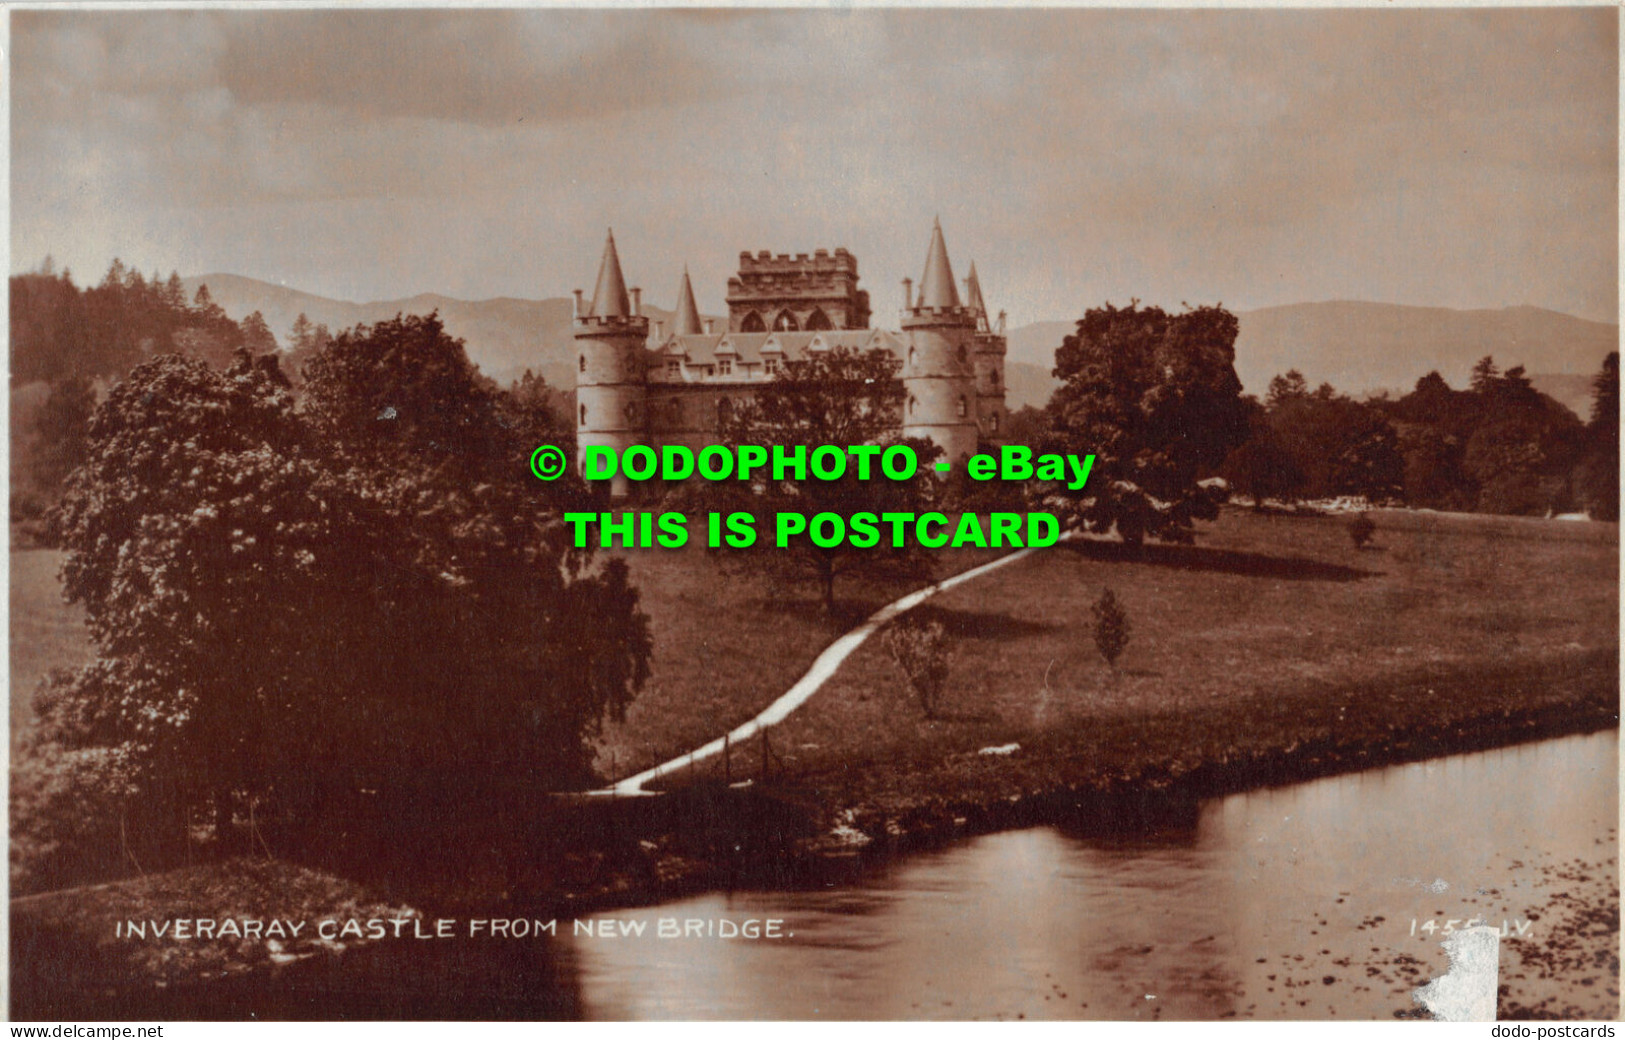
x=676, y=386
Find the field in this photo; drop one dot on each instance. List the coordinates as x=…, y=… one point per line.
x=46, y=633
x=1272, y=632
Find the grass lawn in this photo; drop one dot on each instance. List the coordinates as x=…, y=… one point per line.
x=1272, y=633
x=725, y=647
x=46, y=633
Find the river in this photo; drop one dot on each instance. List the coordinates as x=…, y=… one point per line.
x=1307, y=901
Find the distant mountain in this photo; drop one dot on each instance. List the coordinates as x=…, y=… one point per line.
x=1357, y=347
x=1365, y=347
x=505, y=336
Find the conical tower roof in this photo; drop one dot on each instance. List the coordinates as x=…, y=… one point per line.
x=686, y=322
x=609, y=298
x=973, y=288
x=973, y=293
x=937, y=287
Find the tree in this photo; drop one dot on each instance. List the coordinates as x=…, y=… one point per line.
x=1342, y=447
x=923, y=654
x=1289, y=387
x=1111, y=628
x=1155, y=398
x=293, y=603
x=1262, y=469
x=1596, y=479
x=1361, y=528
x=60, y=429
x=839, y=397
x=1485, y=375
x=257, y=337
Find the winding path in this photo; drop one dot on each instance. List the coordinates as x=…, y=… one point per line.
x=822, y=668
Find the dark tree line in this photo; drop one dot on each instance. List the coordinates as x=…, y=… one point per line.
x=1499, y=446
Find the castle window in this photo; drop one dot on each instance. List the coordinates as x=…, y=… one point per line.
x=753, y=323
x=631, y=411
x=676, y=411
x=963, y=409
x=911, y=356
x=912, y=404
x=674, y=368
x=725, y=410
x=962, y=354
x=993, y=376
x=583, y=362
x=993, y=421
x=818, y=321
x=785, y=322
x=583, y=415
x=724, y=366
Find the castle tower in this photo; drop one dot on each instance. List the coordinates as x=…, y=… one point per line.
x=610, y=337
x=987, y=357
x=939, y=378
x=797, y=294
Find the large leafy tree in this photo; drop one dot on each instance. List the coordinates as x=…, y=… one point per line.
x=1155, y=398
x=837, y=397
x=291, y=603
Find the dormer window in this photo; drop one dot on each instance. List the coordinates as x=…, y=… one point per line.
x=724, y=366
x=674, y=368
x=770, y=366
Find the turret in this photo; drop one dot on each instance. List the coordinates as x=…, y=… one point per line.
x=987, y=358
x=939, y=374
x=610, y=388
x=686, y=320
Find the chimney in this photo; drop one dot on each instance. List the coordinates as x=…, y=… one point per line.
x=660, y=330
x=908, y=293
x=576, y=311
x=637, y=302
x=710, y=326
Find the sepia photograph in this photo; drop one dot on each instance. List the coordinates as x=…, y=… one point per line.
x=869, y=513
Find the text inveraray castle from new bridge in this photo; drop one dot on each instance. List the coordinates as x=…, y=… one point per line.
x=637, y=385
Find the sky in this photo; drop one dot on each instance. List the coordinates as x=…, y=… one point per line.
x=1441, y=157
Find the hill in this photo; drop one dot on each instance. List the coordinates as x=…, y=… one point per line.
x=1365, y=347
x=1357, y=347
x=504, y=335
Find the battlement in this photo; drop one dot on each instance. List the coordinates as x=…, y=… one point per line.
x=821, y=262
x=588, y=325
x=961, y=315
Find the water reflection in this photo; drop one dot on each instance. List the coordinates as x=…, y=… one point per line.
x=1293, y=902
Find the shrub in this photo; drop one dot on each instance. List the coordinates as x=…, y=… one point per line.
x=1112, y=629
x=1360, y=530
x=922, y=652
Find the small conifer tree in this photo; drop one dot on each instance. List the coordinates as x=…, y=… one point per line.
x=922, y=653
x=1360, y=530
x=1111, y=627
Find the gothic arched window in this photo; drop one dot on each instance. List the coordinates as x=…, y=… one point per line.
x=911, y=355
x=962, y=354
x=753, y=323
x=583, y=415
x=818, y=321
x=725, y=410
x=786, y=322
x=583, y=363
